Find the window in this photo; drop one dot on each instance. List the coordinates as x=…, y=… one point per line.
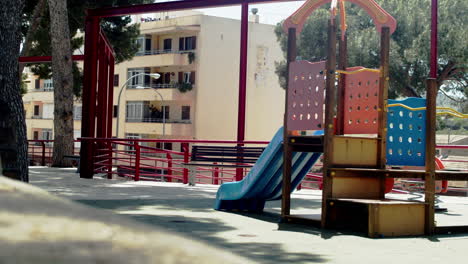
x=166, y=112
x=36, y=110
x=77, y=112
x=144, y=45
x=186, y=77
x=140, y=80
x=116, y=80
x=185, y=112
x=48, y=85
x=131, y=136
x=37, y=84
x=167, y=77
x=76, y=135
x=161, y=145
x=47, y=135
x=116, y=110
x=167, y=45
x=187, y=43
x=36, y=135
x=48, y=111
x=134, y=111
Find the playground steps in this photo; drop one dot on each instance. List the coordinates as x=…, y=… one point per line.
x=377, y=217
x=356, y=201
x=397, y=173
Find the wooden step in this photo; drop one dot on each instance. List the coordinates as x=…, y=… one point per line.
x=306, y=143
x=377, y=218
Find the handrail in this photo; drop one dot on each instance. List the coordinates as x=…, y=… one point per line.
x=450, y=111
x=358, y=71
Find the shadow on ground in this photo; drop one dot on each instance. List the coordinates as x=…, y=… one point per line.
x=208, y=229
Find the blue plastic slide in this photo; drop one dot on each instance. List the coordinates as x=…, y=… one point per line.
x=264, y=181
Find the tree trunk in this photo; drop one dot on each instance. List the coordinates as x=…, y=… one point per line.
x=13, y=143
x=34, y=24
x=63, y=82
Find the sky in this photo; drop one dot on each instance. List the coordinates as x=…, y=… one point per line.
x=269, y=13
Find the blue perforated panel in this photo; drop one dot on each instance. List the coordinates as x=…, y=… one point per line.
x=406, y=135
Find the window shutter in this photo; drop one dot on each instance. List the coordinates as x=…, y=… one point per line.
x=148, y=44
x=192, y=77
x=38, y=84
x=194, y=42
x=181, y=77
x=116, y=80
x=181, y=43
x=116, y=109
x=167, y=77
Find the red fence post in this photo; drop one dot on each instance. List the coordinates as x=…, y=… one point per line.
x=169, y=167
x=185, y=148
x=137, y=160
x=216, y=175
x=239, y=174
x=43, y=153
x=88, y=121
x=109, y=161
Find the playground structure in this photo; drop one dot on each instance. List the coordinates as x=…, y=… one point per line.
x=369, y=133
x=355, y=165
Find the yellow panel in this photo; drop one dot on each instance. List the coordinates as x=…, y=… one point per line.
x=352, y=151
x=351, y=187
x=396, y=219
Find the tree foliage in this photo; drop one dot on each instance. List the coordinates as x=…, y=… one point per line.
x=409, y=47
x=119, y=31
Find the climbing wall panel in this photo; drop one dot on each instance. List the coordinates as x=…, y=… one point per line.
x=306, y=94
x=361, y=102
x=406, y=137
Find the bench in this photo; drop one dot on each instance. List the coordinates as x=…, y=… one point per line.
x=74, y=158
x=235, y=157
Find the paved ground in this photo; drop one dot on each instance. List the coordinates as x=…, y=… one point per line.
x=188, y=211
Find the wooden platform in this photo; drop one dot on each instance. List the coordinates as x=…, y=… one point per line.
x=397, y=173
x=377, y=218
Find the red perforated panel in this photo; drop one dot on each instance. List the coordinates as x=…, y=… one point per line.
x=361, y=102
x=306, y=94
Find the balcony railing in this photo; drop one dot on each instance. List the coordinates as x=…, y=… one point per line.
x=44, y=89
x=41, y=117
x=155, y=120
x=157, y=52
x=153, y=85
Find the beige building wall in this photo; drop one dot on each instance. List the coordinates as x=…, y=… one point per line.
x=217, y=94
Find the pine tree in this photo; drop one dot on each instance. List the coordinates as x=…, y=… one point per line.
x=12, y=122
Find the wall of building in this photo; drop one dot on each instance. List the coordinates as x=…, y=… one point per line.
x=218, y=81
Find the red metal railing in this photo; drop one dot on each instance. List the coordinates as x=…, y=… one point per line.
x=144, y=159
x=40, y=151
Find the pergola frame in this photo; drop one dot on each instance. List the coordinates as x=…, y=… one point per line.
x=90, y=128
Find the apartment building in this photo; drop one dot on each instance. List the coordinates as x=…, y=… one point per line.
x=196, y=96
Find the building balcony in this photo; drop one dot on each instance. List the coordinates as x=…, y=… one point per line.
x=172, y=127
x=169, y=92
x=158, y=58
x=155, y=120
x=43, y=89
